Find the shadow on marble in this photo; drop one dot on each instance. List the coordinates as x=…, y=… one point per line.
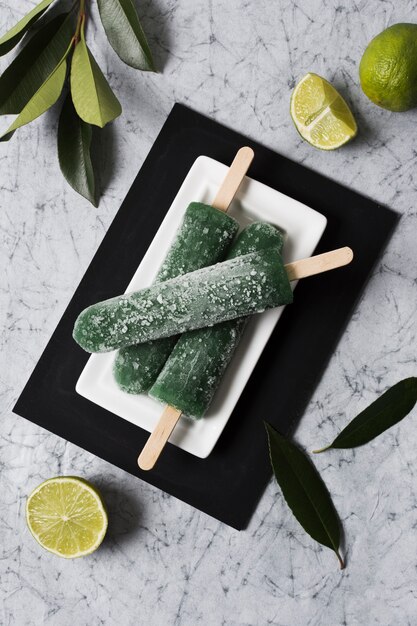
x=343, y=547
x=366, y=136
x=124, y=511
x=365, y=132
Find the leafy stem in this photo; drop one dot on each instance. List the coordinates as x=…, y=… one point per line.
x=320, y=450
x=35, y=79
x=80, y=21
x=341, y=561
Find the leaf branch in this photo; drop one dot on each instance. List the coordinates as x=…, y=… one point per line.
x=80, y=21
x=35, y=79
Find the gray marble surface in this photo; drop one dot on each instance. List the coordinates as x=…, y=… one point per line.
x=163, y=562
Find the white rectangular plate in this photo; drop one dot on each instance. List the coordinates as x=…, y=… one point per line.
x=255, y=201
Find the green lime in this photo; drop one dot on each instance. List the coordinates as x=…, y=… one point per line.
x=388, y=68
x=320, y=114
x=66, y=515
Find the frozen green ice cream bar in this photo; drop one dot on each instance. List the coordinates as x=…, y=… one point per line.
x=202, y=239
x=235, y=288
x=195, y=367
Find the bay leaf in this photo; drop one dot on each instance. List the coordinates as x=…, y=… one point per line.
x=386, y=411
x=34, y=63
x=125, y=34
x=47, y=94
x=74, y=142
x=92, y=96
x=304, y=491
x=15, y=34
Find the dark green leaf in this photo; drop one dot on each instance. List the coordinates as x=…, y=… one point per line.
x=386, y=411
x=74, y=141
x=15, y=34
x=125, y=34
x=33, y=65
x=47, y=94
x=304, y=491
x=93, y=98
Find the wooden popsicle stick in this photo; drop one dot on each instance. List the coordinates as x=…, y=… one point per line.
x=158, y=438
x=296, y=270
x=233, y=179
x=319, y=263
x=166, y=424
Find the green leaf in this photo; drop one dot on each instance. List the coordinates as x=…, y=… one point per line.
x=386, y=411
x=125, y=34
x=15, y=34
x=74, y=141
x=33, y=65
x=47, y=94
x=304, y=491
x=93, y=98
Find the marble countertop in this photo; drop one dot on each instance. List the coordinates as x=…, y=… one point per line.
x=163, y=562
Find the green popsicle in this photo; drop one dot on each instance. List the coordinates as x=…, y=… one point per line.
x=203, y=239
x=195, y=367
x=235, y=288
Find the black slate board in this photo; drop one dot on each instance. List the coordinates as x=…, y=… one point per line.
x=228, y=484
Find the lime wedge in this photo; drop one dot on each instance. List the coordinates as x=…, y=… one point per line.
x=66, y=515
x=320, y=114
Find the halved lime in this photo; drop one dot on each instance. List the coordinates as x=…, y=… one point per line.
x=66, y=515
x=320, y=114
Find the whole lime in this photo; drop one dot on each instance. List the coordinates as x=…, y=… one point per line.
x=388, y=68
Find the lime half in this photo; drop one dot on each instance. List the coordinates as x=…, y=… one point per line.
x=66, y=515
x=320, y=114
